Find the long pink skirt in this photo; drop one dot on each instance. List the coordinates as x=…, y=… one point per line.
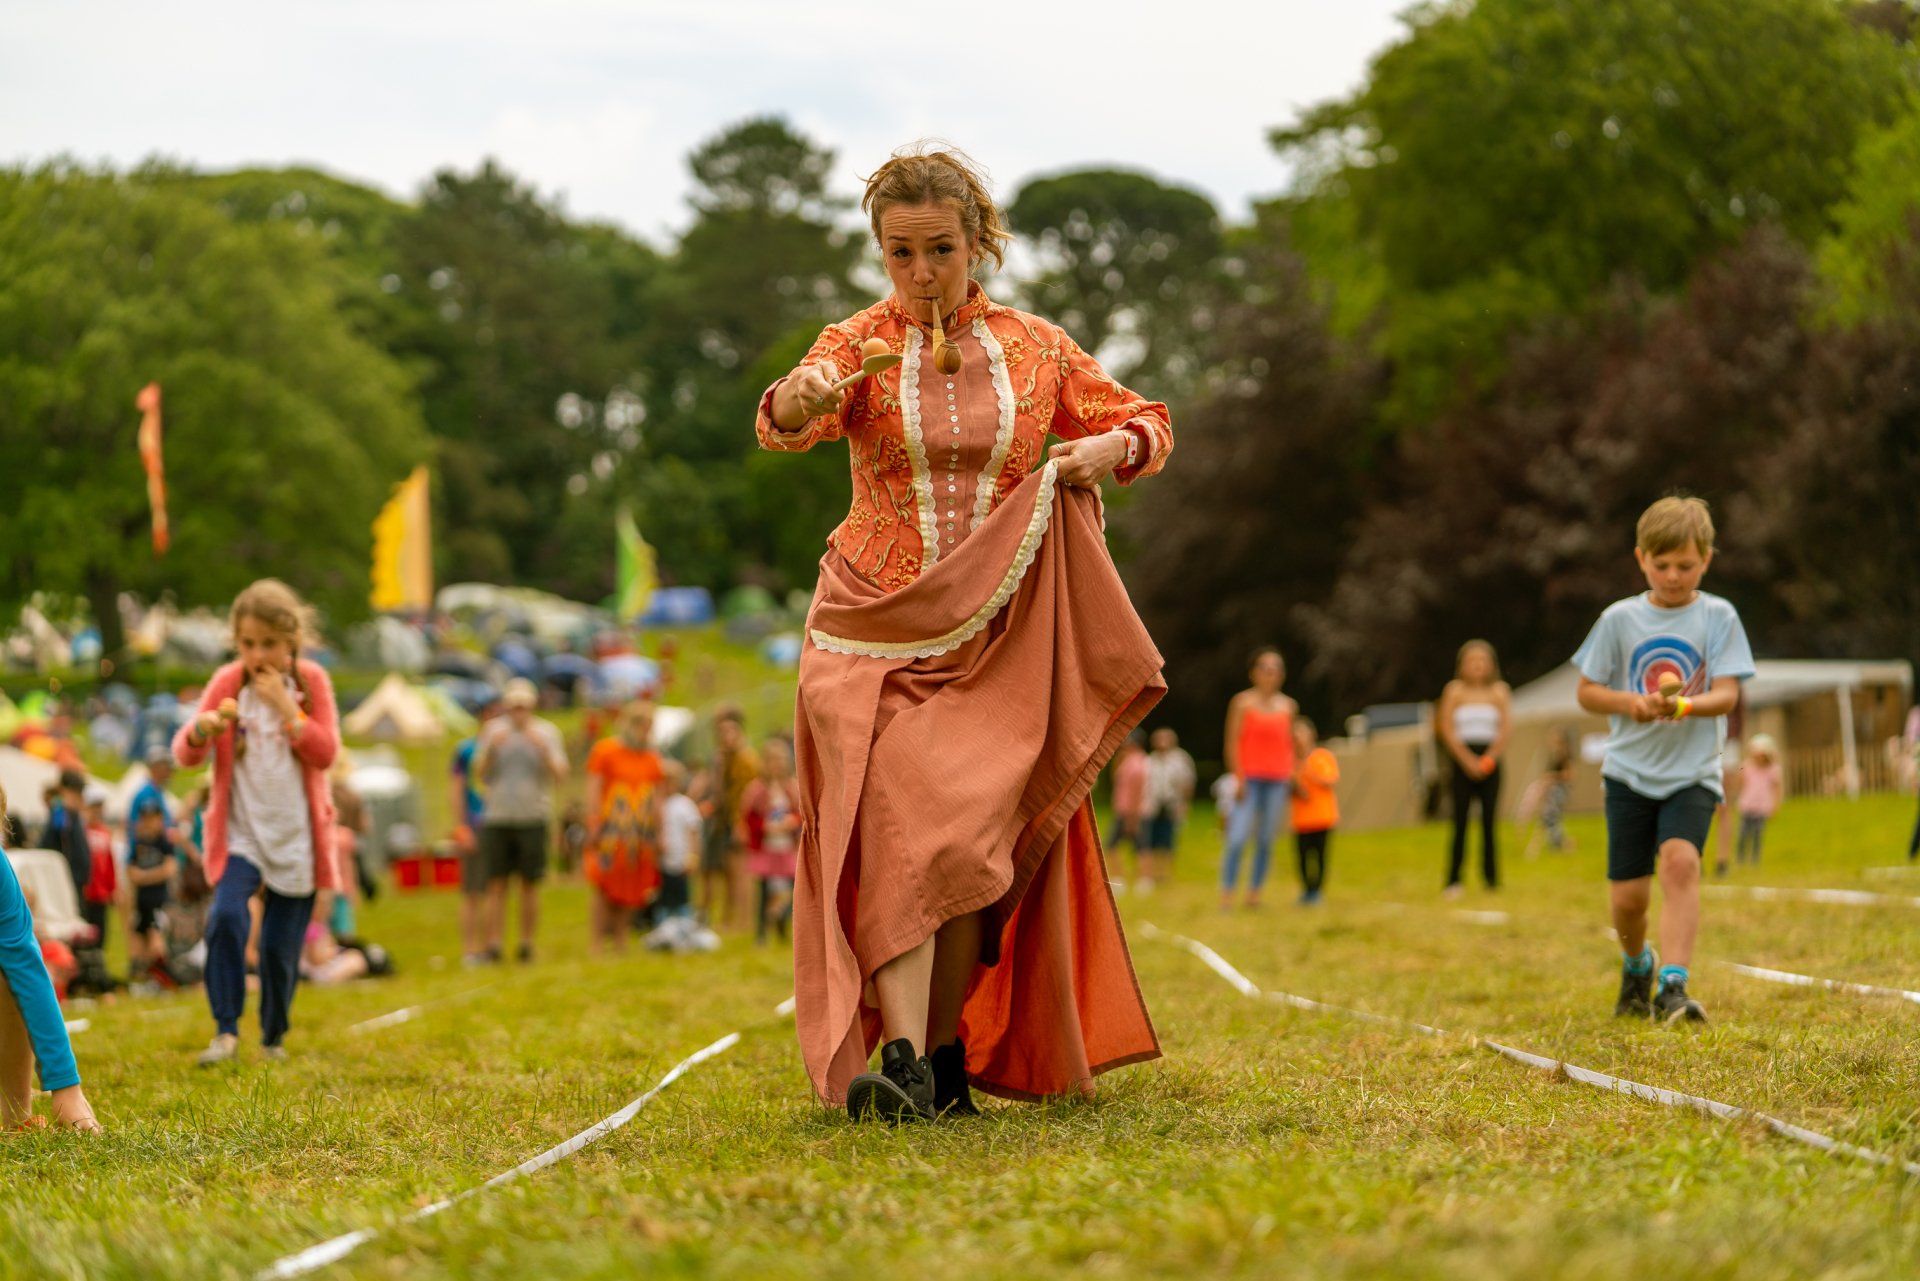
x=947, y=736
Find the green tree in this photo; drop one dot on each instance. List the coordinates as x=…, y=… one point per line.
x=517, y=335
x=1123, y=256
x=1509, y=157
x=1875, y=225
x=763, y=268
x=1511, y=517
x=763, y=257
x=1243, y=527
x=356, y=227
x=285, y=430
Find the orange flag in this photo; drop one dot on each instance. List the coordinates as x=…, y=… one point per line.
x=148, y=403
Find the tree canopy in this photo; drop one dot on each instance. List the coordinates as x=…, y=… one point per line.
x=1509, y=158
x=1122, y=255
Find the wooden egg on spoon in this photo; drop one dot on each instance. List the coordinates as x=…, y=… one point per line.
x=875, y=356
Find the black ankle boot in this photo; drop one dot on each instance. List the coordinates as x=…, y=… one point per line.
x=951, y=1097
x=902, y=1090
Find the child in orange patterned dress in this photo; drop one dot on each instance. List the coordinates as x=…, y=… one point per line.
x=623, y=808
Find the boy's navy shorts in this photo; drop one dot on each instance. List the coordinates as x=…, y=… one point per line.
x=1637, y=826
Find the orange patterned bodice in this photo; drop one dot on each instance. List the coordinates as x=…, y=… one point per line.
x=932, y=455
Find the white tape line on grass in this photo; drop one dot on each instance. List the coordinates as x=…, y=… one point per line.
x=1725, y=1111
x=412, y=1012
x=1784, y=894
x=1832, y=985
x=1245, y=986
x=1472, y=915
x=1586, y=1076
x=319, y=1256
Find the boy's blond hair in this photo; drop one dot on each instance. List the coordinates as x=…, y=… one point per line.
x=1673, y=523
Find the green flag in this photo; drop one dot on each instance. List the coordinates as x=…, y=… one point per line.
x=634, y=578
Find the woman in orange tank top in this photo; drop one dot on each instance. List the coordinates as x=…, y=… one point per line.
x=1259, y=747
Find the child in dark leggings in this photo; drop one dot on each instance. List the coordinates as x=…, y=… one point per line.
x=1473, y=724
x=1315, y=807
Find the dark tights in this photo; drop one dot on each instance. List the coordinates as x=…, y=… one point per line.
x=785, y=922
x=1312, y=848
x=1465, y=792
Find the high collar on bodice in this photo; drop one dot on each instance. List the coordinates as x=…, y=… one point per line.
x=976, y=306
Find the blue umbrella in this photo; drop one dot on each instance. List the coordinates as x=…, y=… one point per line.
x=517, y=657
x=566, y=671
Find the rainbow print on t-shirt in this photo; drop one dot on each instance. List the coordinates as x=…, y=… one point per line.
x=1659, y=657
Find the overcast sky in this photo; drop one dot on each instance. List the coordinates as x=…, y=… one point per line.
x=599, y=101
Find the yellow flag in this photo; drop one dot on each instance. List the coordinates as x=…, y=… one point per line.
x=403, y=548
x=635, y=575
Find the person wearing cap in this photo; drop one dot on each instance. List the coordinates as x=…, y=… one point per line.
x=520, y=759
x=150, y=863
x=159, y=764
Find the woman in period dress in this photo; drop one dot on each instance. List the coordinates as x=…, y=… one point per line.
x=972, y=662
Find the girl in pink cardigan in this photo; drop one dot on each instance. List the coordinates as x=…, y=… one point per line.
x=268, y=720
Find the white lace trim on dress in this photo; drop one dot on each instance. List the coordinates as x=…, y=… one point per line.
x=989, y=482
x=917, y=450
x=1009, y=583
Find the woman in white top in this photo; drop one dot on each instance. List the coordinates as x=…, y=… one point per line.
x=1474, y=722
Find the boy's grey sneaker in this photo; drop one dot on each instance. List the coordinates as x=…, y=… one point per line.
x=274, y=1053
x=902, y=1090
x=1636, y=994
x=1673, y=1005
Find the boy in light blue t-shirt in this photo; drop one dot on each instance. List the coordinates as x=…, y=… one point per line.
x=1662, y=771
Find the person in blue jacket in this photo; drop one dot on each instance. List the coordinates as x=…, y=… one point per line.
x=31, y=1025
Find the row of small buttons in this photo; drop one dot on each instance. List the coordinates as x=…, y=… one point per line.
x=953, y=459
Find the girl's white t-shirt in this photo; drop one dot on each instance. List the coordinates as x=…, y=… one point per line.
x=680, y=826
x=268, y=823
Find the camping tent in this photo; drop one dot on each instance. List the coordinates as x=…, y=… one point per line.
x=395, y=709
x=26, y=777
x=453, y=717
x=678, y=607
x=391, y=643
x=45, y=878
x=1831, y=719
x=670, y=725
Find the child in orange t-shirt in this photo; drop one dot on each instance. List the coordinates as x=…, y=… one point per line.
x=1315, y=808
x=623, y=824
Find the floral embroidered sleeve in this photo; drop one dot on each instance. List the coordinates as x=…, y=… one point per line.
x=1091, y=403
x=837, y=347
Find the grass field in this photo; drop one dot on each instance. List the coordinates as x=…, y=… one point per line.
x=1268, y=1141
